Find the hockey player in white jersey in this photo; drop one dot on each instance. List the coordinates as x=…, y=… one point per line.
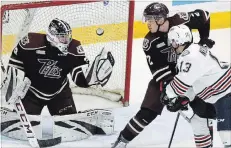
x=202, y=76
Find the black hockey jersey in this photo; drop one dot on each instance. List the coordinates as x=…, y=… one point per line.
x=160, y=56
x=46, y=66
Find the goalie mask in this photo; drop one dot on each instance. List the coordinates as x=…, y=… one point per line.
x=59, y=34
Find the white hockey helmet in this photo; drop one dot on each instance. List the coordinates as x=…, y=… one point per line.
x=179, y=35
x=59, y=34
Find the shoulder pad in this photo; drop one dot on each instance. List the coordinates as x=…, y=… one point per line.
x=183, y=15
x=192, y=51
x=33, y=41
x=185, y=52
x=76, y=48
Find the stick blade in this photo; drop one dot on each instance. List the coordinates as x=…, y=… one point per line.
x=49, y=142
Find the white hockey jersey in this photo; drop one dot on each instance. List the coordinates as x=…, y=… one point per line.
x=200, y=73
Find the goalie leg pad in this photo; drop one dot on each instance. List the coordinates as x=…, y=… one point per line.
x=80, y=126
x=11, y=125
x=105, y=122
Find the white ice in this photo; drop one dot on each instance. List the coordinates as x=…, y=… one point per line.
x=158, y=133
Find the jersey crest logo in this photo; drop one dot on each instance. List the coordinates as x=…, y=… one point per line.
x=172, y=56
x=49, y=68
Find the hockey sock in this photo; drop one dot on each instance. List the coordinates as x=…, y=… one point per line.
x=138, y=123
x=203, y=141
x=211, y=132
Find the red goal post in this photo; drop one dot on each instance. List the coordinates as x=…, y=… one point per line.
x=85, y=17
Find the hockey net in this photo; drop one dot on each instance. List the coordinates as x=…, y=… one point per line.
x=85, y=19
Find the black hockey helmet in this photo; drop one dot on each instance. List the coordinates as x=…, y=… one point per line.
x=59, y=34
x=156, y=11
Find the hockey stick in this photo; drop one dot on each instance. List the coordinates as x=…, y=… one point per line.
x=3, y=70
x=2, y=67
x=184, y=116
x=173, y=132
x=17, y=95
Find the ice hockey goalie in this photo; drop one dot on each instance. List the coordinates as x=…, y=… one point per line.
x=47, y=59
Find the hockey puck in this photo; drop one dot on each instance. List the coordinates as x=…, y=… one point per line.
x=99, y=31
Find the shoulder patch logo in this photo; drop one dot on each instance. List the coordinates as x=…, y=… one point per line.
x=204, y=50
x=80, y=49
x=183, y=15
x=15, y=50
x=184, y=53
x=25, y=40
x=145, y=43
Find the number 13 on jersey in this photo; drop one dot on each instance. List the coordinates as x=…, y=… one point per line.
x=184, y=66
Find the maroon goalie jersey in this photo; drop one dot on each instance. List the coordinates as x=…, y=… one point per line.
x=46, y=66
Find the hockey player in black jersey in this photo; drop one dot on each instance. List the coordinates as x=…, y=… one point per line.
x=47, y=59
x=161, y=59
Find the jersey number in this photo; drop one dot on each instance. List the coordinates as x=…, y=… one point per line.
x=149, y=60
x=185, y=67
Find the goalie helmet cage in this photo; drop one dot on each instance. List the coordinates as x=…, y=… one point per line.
x=85, y=17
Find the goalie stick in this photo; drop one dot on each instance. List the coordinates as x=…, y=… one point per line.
x=16, y=97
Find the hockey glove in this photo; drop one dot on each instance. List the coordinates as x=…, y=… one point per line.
x=100, y=70
x=208, y=42
x=104, y=68
x=164, y=98
x=202, y=108
x=179, y=103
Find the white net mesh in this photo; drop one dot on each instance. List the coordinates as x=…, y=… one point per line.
x=85, y=19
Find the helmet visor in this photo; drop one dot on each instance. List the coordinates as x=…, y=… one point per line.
x=151, y=18
x=64, y=38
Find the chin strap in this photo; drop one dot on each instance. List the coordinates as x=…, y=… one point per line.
x=161, y=24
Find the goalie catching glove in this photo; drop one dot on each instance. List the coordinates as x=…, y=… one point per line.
x=100, y=70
